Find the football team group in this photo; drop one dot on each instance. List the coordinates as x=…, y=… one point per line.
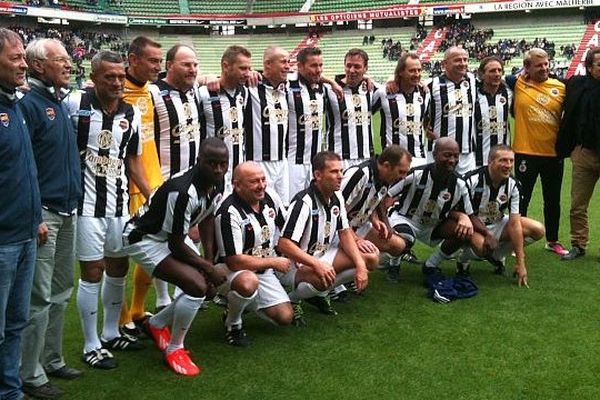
x=273, y=175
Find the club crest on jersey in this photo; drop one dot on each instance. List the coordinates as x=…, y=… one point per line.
x=554, y=92
x=124, y=124
x=50, y=113
x=240, y=100
x=502, y=100
x=356, y=100
x=465, y=84
x=187, y=110
x=142, y=104
x=4, y=119
x=445, y=195
x=105, y=139
x=502, y=198
x=313, y=106
x=271, y=213
x=265, y=233
x=419, y=99
x=276, y=97
x=335, y=210
x=523, y=166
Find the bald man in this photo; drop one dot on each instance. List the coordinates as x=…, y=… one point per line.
x=266, y=121
x=434, y=206
x=453, y=96
x=247, y=225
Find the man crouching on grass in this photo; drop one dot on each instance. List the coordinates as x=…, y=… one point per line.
x=318, y=239
x=157, y=240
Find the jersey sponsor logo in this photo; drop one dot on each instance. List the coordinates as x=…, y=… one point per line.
x=543, y=99
x=356, y=100
x=233, y=114
x=430, y=206
x=327, y=229
x=265, y=233
x=187, y=110
x=4, y=119
x=279, y=115
x=51, y=113
x=105, y=139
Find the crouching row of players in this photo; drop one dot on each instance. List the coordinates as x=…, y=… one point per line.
x=331, y=234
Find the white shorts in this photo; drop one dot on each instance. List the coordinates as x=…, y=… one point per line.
x=364, y=230
x=270, y=292
x=352, y=162
x=289, y=278
x=100, y=237
x=148, y=253
x=466, y=162
x=278, y=178
x=416, y=231
x=300, y=177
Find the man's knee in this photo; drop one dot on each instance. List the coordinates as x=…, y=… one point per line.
x=245, y=283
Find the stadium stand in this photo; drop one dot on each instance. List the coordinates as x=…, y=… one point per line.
x=351, y=5
x=268, y=6
x=218, y=7
x=147, y=7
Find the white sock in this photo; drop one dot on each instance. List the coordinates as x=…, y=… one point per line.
x=162, y=293
x=345, y=276
x=236, y=303
x=165, y=316
x=186, y=308
x=113, y=292
x=177, y=292
x=304, y=290
x=436, y=258
x=87, y=304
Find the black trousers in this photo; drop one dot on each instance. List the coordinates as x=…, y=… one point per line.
x=550, y=170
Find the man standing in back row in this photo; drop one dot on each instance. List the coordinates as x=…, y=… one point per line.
x=538, y=109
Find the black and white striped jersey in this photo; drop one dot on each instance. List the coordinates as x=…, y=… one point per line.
x=104, y=143
x=266, y=122
x=349, y=131
x=452, y=109
x=363, y=191
x=491, y=122
x=427, y=201
x=489, y=203
x=224, y=118
x=402, y=119
x=306, y=107
x=177, y=123
x=180, y=203
x=312, y=222
x=241, y=230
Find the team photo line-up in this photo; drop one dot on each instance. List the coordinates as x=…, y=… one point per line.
x=274, y=174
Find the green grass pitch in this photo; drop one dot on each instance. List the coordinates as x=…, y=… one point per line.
x=394, y=343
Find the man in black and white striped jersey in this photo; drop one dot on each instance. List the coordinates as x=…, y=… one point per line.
x=108, y=136
x=266, y=121
x=157, y=238
x=494, y=100
x=496, y=196
x=453, y=97
x=224, y=110
x=248, y=223
x=348, y=118
x=176, y=112
x=318, y=239
x=306, y=107
x=404, y=111
x=434, y=206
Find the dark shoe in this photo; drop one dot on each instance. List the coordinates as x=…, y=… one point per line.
x=123, y=342
x=236, y=336
x=411, y=258
x=431, y=275
x=499, y=267
x=100, y=358
x=323, y=304
x=463, y=269
x=299, y=319
x=65, y=372
x=574, y=253
x=45, y=391
x=393, y=274
x=133, y=329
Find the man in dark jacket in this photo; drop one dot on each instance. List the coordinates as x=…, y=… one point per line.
x=579, y=138
x=57, y=158
x=19, y=214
